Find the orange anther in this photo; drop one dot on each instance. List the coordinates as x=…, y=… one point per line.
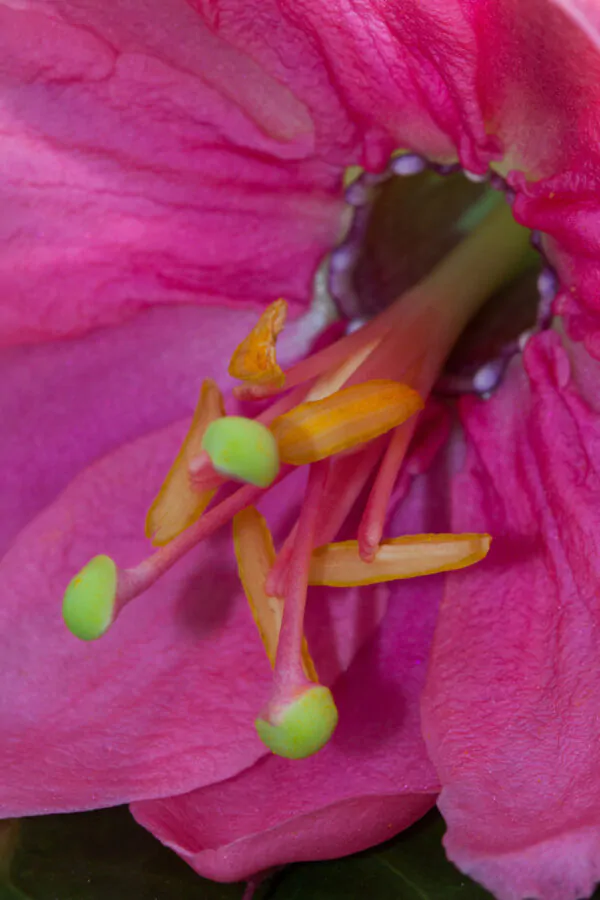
x=255, y=556
x=177, y=504
x=340, y=565
x=343, y=420
x=254, y=360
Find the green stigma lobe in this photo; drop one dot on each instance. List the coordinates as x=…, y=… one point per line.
x=304, y=727
x=242, y=449
x=89, y=600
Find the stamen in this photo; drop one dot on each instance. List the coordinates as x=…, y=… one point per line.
x=347, y=478
x=350, y=417
x=323, y=361
x=132, y=582
x=203, y=474
x=341, y=565
x=177, y=504
x=255, y=556
x=332, y=381
x=300, y=718
x=347, y=397
x=201, y=469
x=371, y=525
x=243, y=449
x=92, y=602
x=254, y=360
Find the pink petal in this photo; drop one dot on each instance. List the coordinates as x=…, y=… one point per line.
x=586, y=13
x=65, y=404
x=511, y=706
x=540, y=77
x=371, y=781
x=403, y=74
x=144, y=160
x=504, y=82
x=166, y=700
x=163, y=703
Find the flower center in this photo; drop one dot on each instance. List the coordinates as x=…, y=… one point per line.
x=348, y=413
x=404, y=222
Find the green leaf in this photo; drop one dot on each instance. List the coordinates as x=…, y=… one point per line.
x=102, y=855
x=105, y=855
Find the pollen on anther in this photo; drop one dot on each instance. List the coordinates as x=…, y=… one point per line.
x=254, y=359
x=178, y=504
x=343, y=420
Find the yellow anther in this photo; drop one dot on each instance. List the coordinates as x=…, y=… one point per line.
x=255, y=556
x=340, y=565
x=355, y=415
x=177, y=505
x=254, y=360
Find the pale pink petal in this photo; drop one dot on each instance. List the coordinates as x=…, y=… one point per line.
x=145, y=160
x=511, y=706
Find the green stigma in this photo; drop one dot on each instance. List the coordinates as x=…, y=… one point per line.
x=242, y=449
x=304, y=727
x=89, y=600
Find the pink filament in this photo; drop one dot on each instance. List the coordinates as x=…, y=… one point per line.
x=203, y=476
x=347, y=479
x=288, y=674
x=372, y=523
x=132, y=582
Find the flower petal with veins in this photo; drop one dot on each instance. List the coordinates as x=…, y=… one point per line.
x=510, y=708
x=70, y=402
x=142, y=162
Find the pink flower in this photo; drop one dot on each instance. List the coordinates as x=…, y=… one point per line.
x=197, y=155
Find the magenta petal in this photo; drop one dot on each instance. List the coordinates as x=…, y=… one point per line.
x=402, y=74
x=166, y=700
x=145, y=160
x=67, y=403
x=371, y=781
x=585, y=13
x=511, y=707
